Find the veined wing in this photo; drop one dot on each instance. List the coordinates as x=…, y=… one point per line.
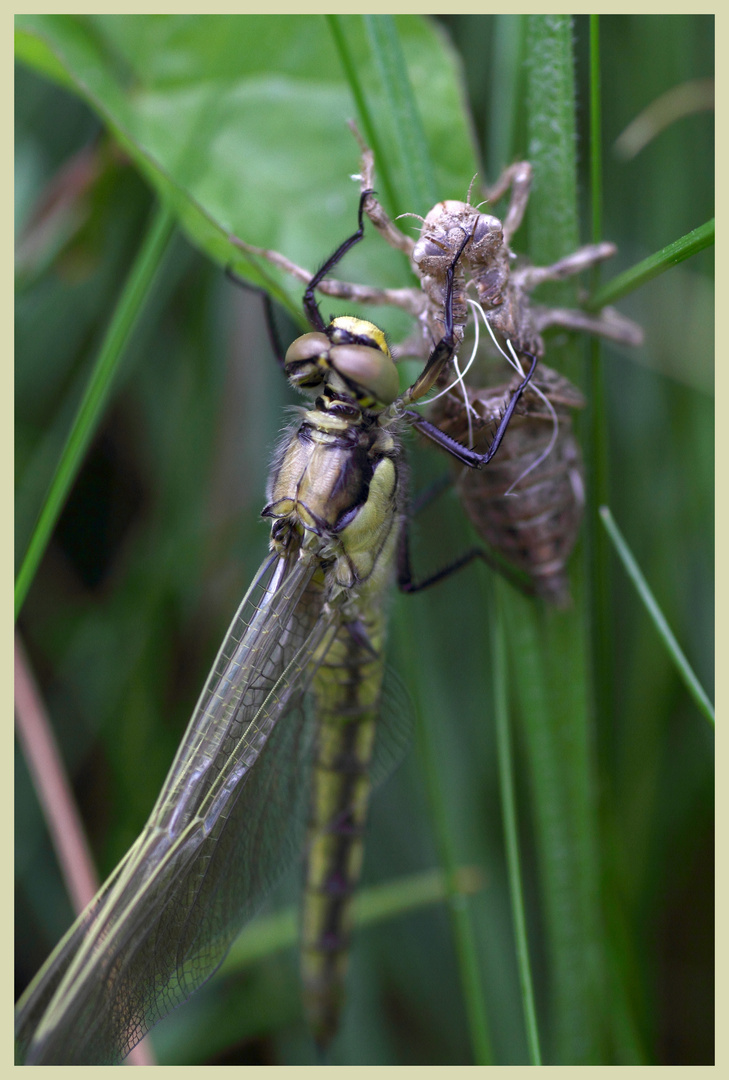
x=163, y=921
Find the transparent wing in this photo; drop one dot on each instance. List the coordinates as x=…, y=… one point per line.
x=229, y=815
x=395, y=726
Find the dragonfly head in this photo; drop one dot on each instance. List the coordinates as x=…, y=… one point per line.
x=351, y=357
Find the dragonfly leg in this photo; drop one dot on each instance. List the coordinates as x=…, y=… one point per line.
x=407, y=584
x=443, y=352
x=311, y=307
x=456, y=449
x=518, y=177
x=273, y=335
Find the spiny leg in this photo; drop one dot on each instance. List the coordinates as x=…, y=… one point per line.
x=463, y=453
x=519, y=177
x=607, y=323
x=584, y=258
x=410, y=300
x=373, y=208
x=311, y=307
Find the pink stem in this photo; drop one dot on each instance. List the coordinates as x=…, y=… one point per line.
x=56, y=799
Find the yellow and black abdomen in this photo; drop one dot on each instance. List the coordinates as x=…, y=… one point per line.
x=347, y=691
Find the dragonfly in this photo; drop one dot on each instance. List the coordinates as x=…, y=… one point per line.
x=528, y=507
x=295, y=691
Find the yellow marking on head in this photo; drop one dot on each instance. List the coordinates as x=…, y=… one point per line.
x=362, y=328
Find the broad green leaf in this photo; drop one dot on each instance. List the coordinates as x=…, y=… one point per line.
x=240, y=121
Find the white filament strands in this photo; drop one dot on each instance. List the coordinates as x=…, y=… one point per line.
x=458, y=381
x=516, y=364
x=555, y=424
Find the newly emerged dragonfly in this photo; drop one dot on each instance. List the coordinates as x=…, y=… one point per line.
x=297, y=682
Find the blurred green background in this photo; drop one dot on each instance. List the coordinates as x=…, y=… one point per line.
x=162, y=534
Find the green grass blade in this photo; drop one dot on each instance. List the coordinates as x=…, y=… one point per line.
x=683, y=667
x=595, y=428
x=548, y=649
x=388, y=55
x=551, y=133
x=597, y=559
x=414, y=168
x=683, y=248
x=461, y=922
x=692, y=96
x=511, y=832
x=506, y=89
x=595, y=132
x=129, y=308
x=366, y=118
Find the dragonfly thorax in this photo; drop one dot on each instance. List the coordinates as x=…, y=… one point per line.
x=336, y=477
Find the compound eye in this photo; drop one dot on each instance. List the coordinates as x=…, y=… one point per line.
x=306, y=361
x=427, y=249
x=371, y=369
x=487, y=229
x=307, y=347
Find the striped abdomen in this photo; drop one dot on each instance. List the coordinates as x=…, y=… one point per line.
x=347, y=690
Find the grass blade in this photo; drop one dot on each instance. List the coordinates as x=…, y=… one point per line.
x=52, y=786
x=548, y=648
x=62, y=818
x=129, y=308
x=461, y=923
x=403, y=109
x=683, y=667
x=366, y=118
x=596, y=431
x=695, y=95
x=511, y=832
x=672, y=254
